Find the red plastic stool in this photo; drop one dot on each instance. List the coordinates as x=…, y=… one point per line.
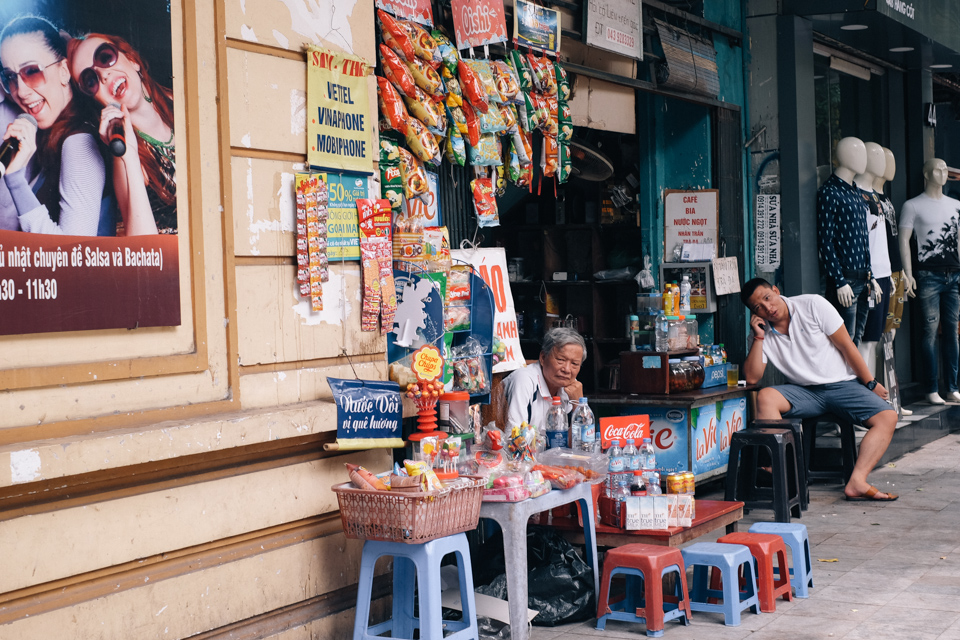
x=646, y=563
x=764, y=546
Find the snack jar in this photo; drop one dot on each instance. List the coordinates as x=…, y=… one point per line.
x=453, y=409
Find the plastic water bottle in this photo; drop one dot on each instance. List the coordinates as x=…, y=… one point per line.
x=648, y=455
x=615, y=465
x=631, y=457
x=556, y=425
x=623, y=488
x=685, y=294
x=584, y=423
x=652, y=481
x=662, y=329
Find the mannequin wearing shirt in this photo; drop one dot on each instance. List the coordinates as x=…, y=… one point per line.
x=842, y=237
x=936, y=281
x=879, y=253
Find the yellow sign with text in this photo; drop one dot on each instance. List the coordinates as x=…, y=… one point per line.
x=339, y=125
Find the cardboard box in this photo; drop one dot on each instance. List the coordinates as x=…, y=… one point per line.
x=673, y=505
x=646, y=512
x=685, y=509
x=633, y=513
x=660, y=510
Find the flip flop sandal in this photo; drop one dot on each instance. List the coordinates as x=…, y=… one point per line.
x=870, y=496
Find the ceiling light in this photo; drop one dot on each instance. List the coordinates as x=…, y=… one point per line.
x=940, y=66
x=854, y=27
x=901, y=49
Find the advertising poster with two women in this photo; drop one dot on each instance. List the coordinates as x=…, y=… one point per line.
x=88, y=195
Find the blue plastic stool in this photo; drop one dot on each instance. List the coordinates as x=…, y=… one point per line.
x=795, y=537
x=728, y=558
x=417, y=564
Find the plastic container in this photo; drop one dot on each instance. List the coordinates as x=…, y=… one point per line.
x=693, y=332
x=662, y=331
x=454, y=410
x=583, y=422
x=685, y=295
x=556, y=430
x=695, y=371
x=615, y=469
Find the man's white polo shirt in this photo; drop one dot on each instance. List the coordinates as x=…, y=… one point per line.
x=807, y=356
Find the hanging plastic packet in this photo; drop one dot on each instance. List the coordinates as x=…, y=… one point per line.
x=520, y=146
x=473, y=125
x=564, y=122
x=422, y=142
x=395, y=36
x=513, y=163
x=436, y=249
x=449, y=56
x=486, y=153
x=565, y=163
x=455, y=150
x=397, y=72
x=508, y=113
x=563, y=83
x=458, y=118
x=414, y=175
x=492, y=121
x=506, y=79
x=484, y=73
x=550, y=158
x=472, y=88
x=391, y=106
x=537, y=72
x=454, y=92
x=391, y=181
x=500, y=183
x=301, y=181
x=522, y=68
x=551, y=126
x=484, y=203
x=425, y=77
x=424, y=45
x=423, y=108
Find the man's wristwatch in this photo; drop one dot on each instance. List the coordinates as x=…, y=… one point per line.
x=871, y=385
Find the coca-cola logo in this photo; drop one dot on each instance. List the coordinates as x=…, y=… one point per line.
x=623, y=428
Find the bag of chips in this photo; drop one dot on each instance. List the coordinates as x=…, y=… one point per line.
x=549, y=77
x=484, y=203
x=484, y=73
x=566, y=163
x=550, y=159
x=509, y=114
x=426, y=110
x=492, y=121
x=513, y=162
x=391, y=106
x=522, y=144
x=395, y=36
x=536, y=72
x=522, y=68
x=563, y=83
x=473, y=124
x=564, y=120
x=500, y=186
x=454, y=92
x=414, y=176
x=449, y=55
x=421, y=142
x=425, y=77
x=456, y=117
x=391, y=181
x=472, y=88
x=397, y=72
x=550, y=126
x=423, y=43
x=456, y=152
x=486, y=153
x=507, y=84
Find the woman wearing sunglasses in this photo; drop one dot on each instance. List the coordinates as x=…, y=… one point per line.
x=67, y=194
x=107, y=69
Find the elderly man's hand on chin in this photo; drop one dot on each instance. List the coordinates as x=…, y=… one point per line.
x=574, y=390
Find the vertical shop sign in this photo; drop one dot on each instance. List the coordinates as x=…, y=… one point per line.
x=419, y=11
x=368, y=413
x=338, y=122
x=73, y=268
x=536, y=26
x=690, y=217
x=615, y=25
x=343, y=230
x=768, y=232
x=491, y=264
x=478, y=22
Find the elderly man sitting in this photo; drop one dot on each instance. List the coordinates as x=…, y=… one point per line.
x=529, y=392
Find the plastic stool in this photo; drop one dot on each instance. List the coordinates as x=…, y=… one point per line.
x=848, y=450
x=795, y=537
x=728, y=558
x=796, y=426
x=764, y=547
x=786, y=481
x=644, y=565
x=420, y=564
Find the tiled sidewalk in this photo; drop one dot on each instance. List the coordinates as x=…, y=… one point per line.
x=897, y=569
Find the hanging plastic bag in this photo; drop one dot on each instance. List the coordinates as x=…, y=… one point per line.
x=391, y=106
x=397, y=72
x=484, y=203
x=395, y=36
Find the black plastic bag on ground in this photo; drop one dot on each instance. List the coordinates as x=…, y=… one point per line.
x=559, y=582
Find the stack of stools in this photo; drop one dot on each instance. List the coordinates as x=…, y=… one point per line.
x=796, y=426
x=644, y=566
x=741, y=475
x=795, y=537
x=764, y=547
x=417, y=564
x=726, y=561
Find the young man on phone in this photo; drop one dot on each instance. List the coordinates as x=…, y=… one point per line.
x=805, y=338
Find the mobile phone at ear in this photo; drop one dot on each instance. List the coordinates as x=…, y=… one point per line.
x=763, y=326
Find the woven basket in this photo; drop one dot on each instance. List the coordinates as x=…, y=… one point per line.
x=409, y=517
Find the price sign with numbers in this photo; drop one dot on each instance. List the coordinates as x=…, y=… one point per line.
x=725, y=277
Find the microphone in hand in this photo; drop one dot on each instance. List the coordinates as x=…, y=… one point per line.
x=118, y=144
x=10, y=146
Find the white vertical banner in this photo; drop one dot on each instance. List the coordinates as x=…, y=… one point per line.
x=491, y=264
x=768, y=231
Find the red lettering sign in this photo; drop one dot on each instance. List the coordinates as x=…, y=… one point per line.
x=624, y=428
x=478, y=22
x=416, y=10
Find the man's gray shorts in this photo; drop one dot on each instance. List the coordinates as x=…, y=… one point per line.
x=848, y=400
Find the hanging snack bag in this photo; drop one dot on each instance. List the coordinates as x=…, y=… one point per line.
x=449, y=56
x=526, y=176
x=422, y=143
x=522, y=68
x=531, y=120
x=550, y=160
x=457, y=117
x=436, y=249
x=537, y=73
x=391, y=181
x=513, y=162
x=472, y=88
x=566, y=164
x=550, y=126
x=423, y=108
x=500, y=186
x=424, y=45
x=397, y=72
x=517, y=142
x=391, y=106
x=549, y=77
x=454, y=92
x=414, y=175
x=425, y=77
x=526, y=158
x=395, y=36
x=564, y=122
x=484, y=73
x=484, y=203
x=486, y=153
x=507, y=84
x=473, y=125
x=455, y=150
x=509, y=114
x=563, y=83
x=492, y=121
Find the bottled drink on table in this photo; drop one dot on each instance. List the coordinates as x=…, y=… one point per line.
x=685, y=294
x=648, y=455
x=623, y=488
x=651, y=480
x=556, y=425
x=668, y=300
x=583, y=422
x=637, y=488
x=631, y=457
x=615, y=465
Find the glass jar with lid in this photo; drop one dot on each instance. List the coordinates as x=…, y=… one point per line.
x=695, y=371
